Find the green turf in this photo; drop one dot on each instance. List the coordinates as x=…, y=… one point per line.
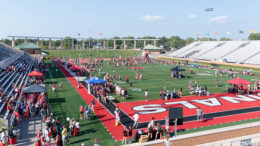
x=92, y=53
x=154, y=80
x=65, y=102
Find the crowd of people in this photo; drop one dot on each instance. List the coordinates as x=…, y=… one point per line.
x=101, y=91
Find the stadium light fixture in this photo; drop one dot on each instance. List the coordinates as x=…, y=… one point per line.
x=208, y=10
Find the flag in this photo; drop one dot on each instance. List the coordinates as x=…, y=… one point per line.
x=252, y=31
x=228, y=33
x=100, y=34
x=78, y=34
x=241, y=31
x=197, y=34
x=209, y=9
x=217, y=33
x=207, y=34
x=89, y=32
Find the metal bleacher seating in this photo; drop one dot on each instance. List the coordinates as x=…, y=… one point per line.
x=228, y=51
x=14, y=77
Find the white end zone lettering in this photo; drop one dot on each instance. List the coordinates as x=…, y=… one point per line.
x=208, y=102
x=236, y=99
x=149, y=109
x=184, y=103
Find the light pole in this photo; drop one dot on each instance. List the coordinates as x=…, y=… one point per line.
x=208, y=10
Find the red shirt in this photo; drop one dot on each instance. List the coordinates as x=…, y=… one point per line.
x=81, y=109
x=38, y=143
x=8, y=107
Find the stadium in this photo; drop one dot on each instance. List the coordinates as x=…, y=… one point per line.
x=103, y=90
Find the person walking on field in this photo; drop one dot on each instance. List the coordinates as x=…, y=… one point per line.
x=81, y=110
x=141, y=77
x=127, y=78
x=199, y=115
x=146, y=93
x=136, y=120
x=93, y=104
x=117, y=115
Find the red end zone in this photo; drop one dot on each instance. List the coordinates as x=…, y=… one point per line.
x=209, y=104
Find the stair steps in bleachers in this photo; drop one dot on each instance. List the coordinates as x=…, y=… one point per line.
x=236, y=49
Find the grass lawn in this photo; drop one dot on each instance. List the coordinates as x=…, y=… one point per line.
x=92, y=53
x=65, y=103
x=154, y=80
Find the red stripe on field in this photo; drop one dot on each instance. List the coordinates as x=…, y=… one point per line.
x=104, y=115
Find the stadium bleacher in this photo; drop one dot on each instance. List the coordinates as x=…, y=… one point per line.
x=242, y=52
x=12, y=77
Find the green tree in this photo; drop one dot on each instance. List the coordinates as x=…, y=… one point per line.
x=254, y=36
x=176, y=42
x=67, y=43
x=7, y=41
x=225, y=39
x=129, y=43
x=189, y=40
x=207, y=39
x=164, y=41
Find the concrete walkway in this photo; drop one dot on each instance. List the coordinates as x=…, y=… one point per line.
x=28, y=130
x=208, y=136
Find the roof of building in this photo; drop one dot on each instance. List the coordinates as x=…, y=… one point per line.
x=151, y=47
x=27, y=46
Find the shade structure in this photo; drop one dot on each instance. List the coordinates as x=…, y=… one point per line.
x=76, y=67
x=95, y=80
x=177, y=68
x=35, y=73
x=34, y=89
x=239, y=81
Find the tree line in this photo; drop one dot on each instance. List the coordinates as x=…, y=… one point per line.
x=174, y=42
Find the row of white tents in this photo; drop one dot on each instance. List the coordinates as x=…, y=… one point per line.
x=243, y=52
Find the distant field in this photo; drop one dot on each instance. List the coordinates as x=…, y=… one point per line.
x=154, y=80
x=92, y=53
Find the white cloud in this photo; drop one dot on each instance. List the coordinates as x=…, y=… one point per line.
x=192, y=16
x=219, y=19
x=152, y=18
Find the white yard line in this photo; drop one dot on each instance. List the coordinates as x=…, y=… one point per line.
x=50, y=74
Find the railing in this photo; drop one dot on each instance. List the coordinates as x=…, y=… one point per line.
x=12, y=119
x=247, y=141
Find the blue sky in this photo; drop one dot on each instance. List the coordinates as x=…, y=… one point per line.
x=128, y=18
